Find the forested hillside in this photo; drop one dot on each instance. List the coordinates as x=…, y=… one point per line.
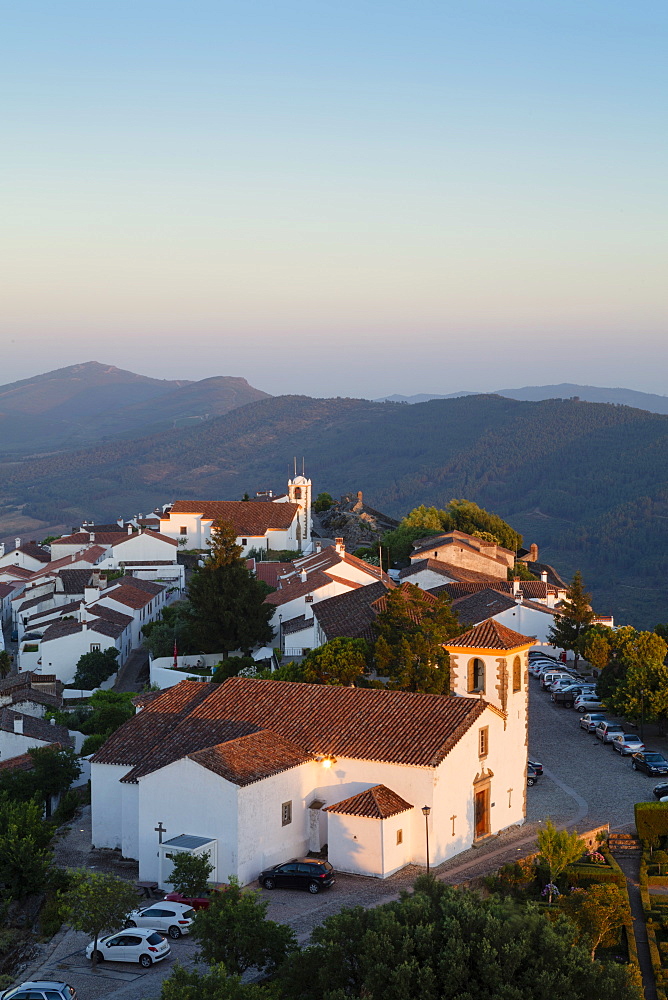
x=588, y=482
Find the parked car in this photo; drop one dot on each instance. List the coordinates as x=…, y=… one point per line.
x=539, y=654
x=566, y=696
x=201, y=902
x=537, y=766
x=548, y=677
x=650, y=762
x=561, y=683
x=300, y=873
x=175, y=918
x=627, y=743
x=606, y=731
x=142, y=945
x=661, y=790
x=40, y=989
x=590, y=720
x=587, y=702
x=532, y=775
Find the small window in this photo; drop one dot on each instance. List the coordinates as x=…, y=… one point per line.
x=244, y=541
x=286, y=813
x=517, y=674
x=308, y=599
x=483, y=741
x=95, y=647
x=400, y=836
x=476, y=676
x=183, y=529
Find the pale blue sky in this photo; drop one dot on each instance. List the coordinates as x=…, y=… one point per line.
x=337, y=198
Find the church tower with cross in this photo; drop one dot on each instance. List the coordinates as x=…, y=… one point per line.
x=299, y=492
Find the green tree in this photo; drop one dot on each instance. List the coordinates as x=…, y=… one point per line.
x=25, y=857
x=214, y=984
x=559, y=849
x=598, y=913
x=109, y=710
x=339, y=661
x=173, y=626
x=235, y=930
x=641, y=675
x=323, y=502
x=96, y=902
x=411, y=630
x=443, y=943
x=95, y=667
x=5, y=663
x=574, y=617
x=223, y=548
x=596, y=649
x=190, y=873
x=53, y=771
x=228, y=610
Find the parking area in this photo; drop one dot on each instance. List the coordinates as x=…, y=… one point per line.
x=584, y=778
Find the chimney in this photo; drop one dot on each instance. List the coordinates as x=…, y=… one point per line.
x=318, y=546
x=339, y=545
x=533, y=552
x=18, y=727
x=303, y=576
x=516, y=586
x=543, y=576
x=119, y=522
x=52, y=721
x=129, y=529
x=2, y=549
x=17, y=543
x=95, y=581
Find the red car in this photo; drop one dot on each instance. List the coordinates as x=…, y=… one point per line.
x=197, y=902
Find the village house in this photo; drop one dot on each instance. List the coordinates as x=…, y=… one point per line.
x=268, y=770
x=28, y=555
x=460, y=551
x=20, y=733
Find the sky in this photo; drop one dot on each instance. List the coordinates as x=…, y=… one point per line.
x=336, y=197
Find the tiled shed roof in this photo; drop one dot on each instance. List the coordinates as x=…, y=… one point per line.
x=378, y=802
x=251, y=758
x=490, y=635
x=38, y=729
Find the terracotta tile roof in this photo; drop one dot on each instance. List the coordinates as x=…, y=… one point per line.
x=370, y=724
x=111, y=629
x=269, y=572
x=297, y=624
x=251, y=758
x=328, y=558
x=552, y=576
x=91, y=555
x=38, y=729
x=83, y=538
x=109, y=615
x=59, y=610
x=34, y=601
x=21, y=680
x=136, y=738
x=37, y=697
x=349, y=615
x=16, y=571
x=58, y=629
x=35, y=551
x=129, y=596
x=74, y=580
x=192, y=734
x=490, y=635
x=447, y=570
x=147, y=586
x=141, y=700
x=462, y=539
x=478, y=607
x=6, y=589
x=248, y=517
x=378, y=802
x=151, y=534
x=290, y=591
x=23, y=762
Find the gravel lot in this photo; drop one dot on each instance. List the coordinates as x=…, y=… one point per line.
x=585, y=783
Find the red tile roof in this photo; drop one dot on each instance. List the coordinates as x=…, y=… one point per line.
x=269, y=572
x=378, y=802
x=490, y=635
x=151, y=534
x=38, y=729
x=291, y=590
x=251, y=758
x=129, y=596
x=349, y=615
x=248, y=517
x=84, y=538
x=448, y=570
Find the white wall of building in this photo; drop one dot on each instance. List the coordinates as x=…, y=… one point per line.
x=527, y=621
x=365, y=846
x=106, y=804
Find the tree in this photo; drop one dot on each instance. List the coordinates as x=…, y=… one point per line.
x=5, y=663
x=53, y=771
x=95, y=667
x=598, y=913
x=214, y=984
x=596, y=649
x=443, y=943
x=97, y=902
x=173, y=626
x=635, y=682
x=411, y=630
x=559, y=849
x=234, y=930
x=190, y=873
x=323, y=502
x=339, y=661
x=573, y=619
x=227, y=609
x=110, y=709
x=223, y=548
x=25, y=857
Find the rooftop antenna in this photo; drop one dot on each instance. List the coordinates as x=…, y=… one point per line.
x=380, y=557
x=295, y=466
x=303, y=476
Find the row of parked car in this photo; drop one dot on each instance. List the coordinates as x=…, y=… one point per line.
x=572, y=691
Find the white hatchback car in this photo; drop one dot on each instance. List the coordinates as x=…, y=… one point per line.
x=174, y=918
x=141, y=945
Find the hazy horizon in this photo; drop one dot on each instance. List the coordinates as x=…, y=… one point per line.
x=351, y=198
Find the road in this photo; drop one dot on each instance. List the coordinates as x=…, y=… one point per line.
x=585, y=784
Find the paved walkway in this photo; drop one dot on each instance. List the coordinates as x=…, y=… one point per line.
x=134, y=673
x=630, y=865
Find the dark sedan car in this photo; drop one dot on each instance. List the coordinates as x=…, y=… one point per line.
x=650, y=762
x=537, y=766
x=661, y=790
x=300, y=873
x=533, y=775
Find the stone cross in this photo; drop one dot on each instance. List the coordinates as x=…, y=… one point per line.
x=453, y=818
x=160, y=829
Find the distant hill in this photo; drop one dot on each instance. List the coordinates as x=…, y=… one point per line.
x=565, y=390
x=80, y=404
x=587, y=481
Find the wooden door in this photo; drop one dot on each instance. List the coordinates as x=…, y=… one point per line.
x=481, y=813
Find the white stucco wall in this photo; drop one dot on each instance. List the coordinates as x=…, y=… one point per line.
x=15, y=744
x=427, y=578
x=60, y=656
x=527, y=621
x=106, y=805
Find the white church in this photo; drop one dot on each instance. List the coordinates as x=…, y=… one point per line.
x=255, y=772
x=274, y=523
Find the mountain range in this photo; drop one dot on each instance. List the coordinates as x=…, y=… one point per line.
x=565, y=390
x=587, y=481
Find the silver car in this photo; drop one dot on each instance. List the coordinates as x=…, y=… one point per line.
x=42, y=989
x=591, y=720
x=627, y=743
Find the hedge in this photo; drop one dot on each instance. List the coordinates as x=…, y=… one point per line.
x=651, y=820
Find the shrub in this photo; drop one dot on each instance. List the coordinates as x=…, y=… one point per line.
x=651, y=821
x=93, y=743
x=66, y=808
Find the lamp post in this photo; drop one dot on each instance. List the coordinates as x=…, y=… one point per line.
x=425, y=812
x=642, y=716
x=280, y=632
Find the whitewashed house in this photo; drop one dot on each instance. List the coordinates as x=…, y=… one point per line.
x=259, y=524
x=20, y=733
x=268, y=770
x=28, y=555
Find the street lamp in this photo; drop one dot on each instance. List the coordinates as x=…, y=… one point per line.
x=642, y=716
x=425, y=812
